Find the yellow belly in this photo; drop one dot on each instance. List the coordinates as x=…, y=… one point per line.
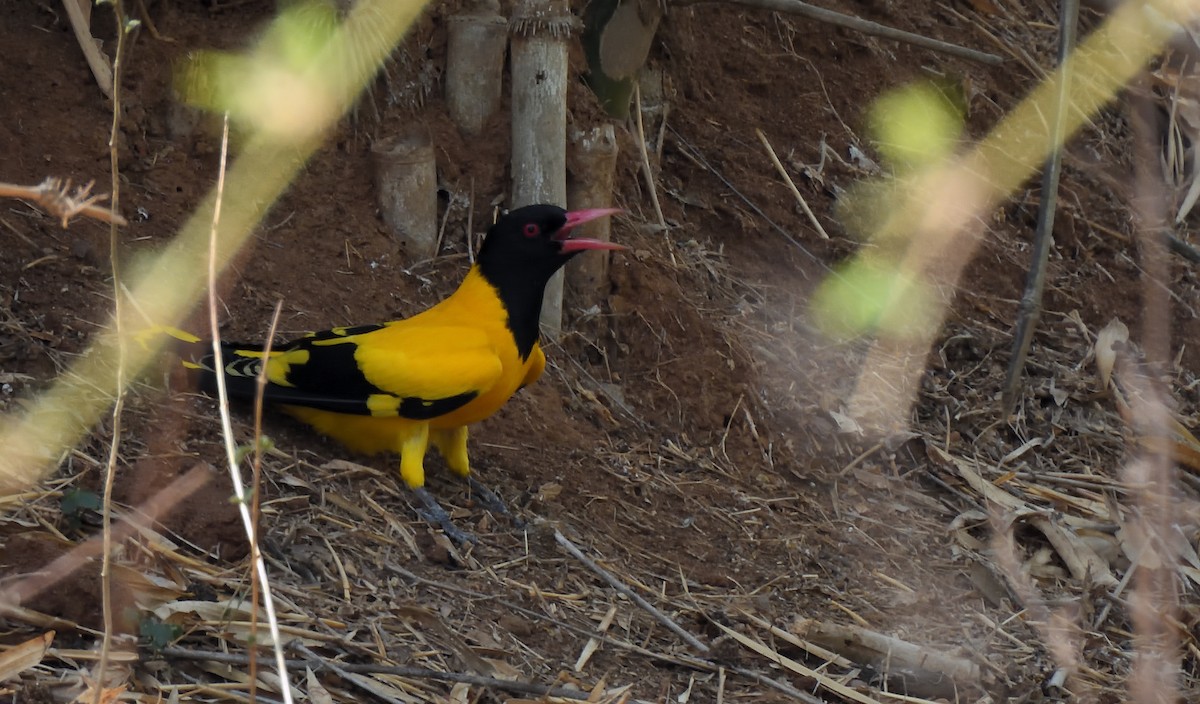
x=363, y=434
x=370, y=435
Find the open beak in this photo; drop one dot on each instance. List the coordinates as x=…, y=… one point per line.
x=575, y=218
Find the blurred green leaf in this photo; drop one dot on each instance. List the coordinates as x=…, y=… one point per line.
x=868, y=295
x=917, y=129
x=264, y=443
x=915, y=125
x=279, y=88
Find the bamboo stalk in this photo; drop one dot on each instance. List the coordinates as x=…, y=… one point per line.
x=540, y=29
x=592, y=163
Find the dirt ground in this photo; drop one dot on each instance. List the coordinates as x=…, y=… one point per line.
x=691, y=437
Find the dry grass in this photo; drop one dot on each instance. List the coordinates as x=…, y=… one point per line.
x=1012, y=544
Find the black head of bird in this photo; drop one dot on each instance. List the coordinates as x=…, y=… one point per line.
x=523, y=250
x=529, y=244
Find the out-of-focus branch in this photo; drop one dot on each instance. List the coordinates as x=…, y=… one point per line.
x=56, y=197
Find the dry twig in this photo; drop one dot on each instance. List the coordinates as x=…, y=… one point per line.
x=260, y=390
x=56, y=197
x=318, y=663
x=792, y=185
x=647, y=171
x=615, y=583
x=82, y=200
x=80, y=14
x=1035, y=281
x=865, y=26
x=779, y=659
x=691, y=152
x=888, y=652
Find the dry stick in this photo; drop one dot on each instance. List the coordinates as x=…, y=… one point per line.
x=56, y=197
x=149, y=21
x=691, y=152
x=783, y=687
x=1058, y=643
x=680, y=660
x=1182, y=248
x=235, y=472
x=865, y=26
x=866, y=646
x=986, y=32
x=364, y=683
x=318, y=663
x=593, y=643
x=437, y=246
x=791, y=184
x=647, y=172
x=110, y=467
x=1035, y=282
x=685, y=661
x=96, y=62
x=786, y=663
x=607, y=576
x=260, y=390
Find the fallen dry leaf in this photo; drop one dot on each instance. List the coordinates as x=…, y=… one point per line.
x=20, y=658
x=316, y=693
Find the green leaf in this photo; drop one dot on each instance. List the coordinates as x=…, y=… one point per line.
x=76, y=502
x=915, y=125
x=156, y=634
x=265, y=444
x=869, y=295
x=276, y=88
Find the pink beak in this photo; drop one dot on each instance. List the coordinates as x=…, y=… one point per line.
x=575, y=218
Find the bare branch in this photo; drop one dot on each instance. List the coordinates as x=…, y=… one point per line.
x=56, y=197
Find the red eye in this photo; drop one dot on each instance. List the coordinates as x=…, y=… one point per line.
x=532, y=230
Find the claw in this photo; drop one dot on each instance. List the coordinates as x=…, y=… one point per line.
x=491, y=502
x=433, y=512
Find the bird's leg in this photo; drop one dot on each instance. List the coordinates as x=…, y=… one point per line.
x=490, y=501
x=452, y=444
x=412, y=471
x=433, y=512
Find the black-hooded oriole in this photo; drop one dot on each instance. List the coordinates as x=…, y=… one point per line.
x=403, y=385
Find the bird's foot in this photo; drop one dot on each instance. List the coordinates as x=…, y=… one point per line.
x=433, y=512
x=491, y=502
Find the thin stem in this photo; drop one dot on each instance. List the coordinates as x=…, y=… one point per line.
x=647, y=171
x=256, y=508
x=110, y=467
x=1030, y=309
x=235, y=472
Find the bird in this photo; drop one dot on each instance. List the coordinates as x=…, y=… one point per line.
x=404, y=385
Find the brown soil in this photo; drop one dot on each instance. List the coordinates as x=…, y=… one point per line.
x=686, y=438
